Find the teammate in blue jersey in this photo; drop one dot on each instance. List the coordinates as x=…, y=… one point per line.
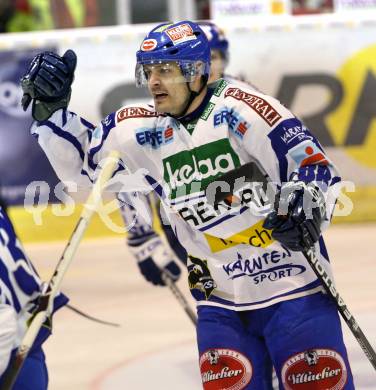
x=257, y=297
x=20, y=288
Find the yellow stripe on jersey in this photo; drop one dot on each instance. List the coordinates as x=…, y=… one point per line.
x=255, y=235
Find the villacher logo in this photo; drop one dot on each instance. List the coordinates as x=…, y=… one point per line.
x=318, y=368
x=225, y=369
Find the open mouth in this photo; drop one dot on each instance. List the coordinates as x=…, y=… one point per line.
x=160, y=96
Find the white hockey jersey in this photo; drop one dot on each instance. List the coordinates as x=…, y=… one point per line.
x=141, y=227
x=243, y=267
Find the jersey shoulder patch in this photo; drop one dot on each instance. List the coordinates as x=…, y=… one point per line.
x=259, y=103
x=129, y=112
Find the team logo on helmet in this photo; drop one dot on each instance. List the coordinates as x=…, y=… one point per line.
x=181, y=33
x=148, y=44
x=316, y=368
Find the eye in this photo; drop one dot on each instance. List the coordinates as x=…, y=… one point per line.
x=165, y=70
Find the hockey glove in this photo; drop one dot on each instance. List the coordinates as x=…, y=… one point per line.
x=300, y=211
x=47, y=83
x=152, y=257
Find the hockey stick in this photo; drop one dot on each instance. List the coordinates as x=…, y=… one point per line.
x=251, y=173
x=89, y=317
x=330, y=289
x=179, y=296
x=45, y=303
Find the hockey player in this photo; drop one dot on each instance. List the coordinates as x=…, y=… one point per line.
x=256, y=294
x=20, y=288
x=146, y=246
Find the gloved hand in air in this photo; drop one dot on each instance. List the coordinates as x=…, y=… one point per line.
x=302, y=210
x=47, y=83
x=152, y=257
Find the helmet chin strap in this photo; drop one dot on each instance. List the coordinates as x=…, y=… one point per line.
x=192, y=96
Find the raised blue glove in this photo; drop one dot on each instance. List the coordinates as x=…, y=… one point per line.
x=47, y=83
x=152, y=257
x=297, y=222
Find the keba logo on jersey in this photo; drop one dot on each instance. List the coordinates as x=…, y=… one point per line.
x=259, y=105
x=148, y=45
x=191, y=171
x=317, y=368
x=225, y=369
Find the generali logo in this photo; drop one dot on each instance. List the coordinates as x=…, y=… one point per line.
x=134, y=112
x=259, y=105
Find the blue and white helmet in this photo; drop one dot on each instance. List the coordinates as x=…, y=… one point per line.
x=216, y=38
x=183, y=42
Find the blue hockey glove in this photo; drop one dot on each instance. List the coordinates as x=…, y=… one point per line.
x=47, y=83
x=152, y=256
x=297, y=221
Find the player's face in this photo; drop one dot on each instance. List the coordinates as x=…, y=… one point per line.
x=217, y=65
x=167, y=87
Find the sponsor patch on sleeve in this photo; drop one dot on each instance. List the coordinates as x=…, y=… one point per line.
x=308, y=154
x=181, y=33
x=292, y=138
x=225, y=369
x=235, y=122
x=134, y=112
x=314, y=369
x=318, y=173
x=263, y=108
x=155, y=137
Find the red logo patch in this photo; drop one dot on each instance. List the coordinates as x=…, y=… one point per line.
x=181, y=33
x=313, y=159
x=259, y=105
x=242, y=128
x=134, y=112
x=317, y=368
x=225, y=369
x=148, y=45
x=169, y=132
